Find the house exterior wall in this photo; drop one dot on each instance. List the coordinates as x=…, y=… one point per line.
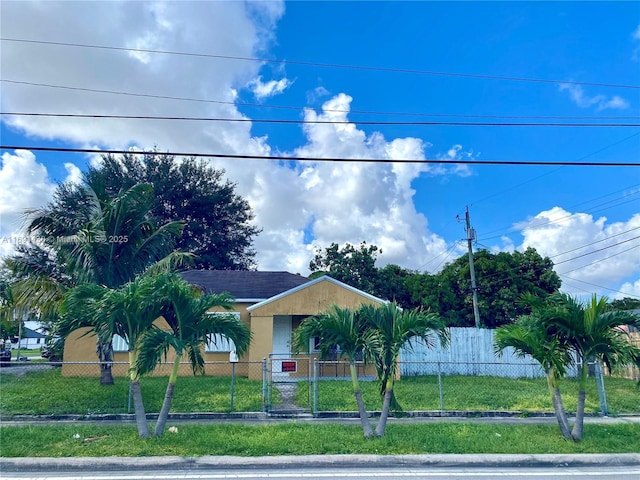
x=80, y=346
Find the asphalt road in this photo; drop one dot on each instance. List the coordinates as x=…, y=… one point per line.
x=381, y=473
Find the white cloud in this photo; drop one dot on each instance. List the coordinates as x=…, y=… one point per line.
x=636, y=36
x=585, y=248
x=316, y=94
x=299, y=206
x=628, y=289
x=24, y=183
x=263, y=90
x=600, y=102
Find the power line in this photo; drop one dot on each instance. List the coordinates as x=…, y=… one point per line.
x=556, y=169
x=566, y=217
x=601, y=260
x=332, y=110
x=600, y=286
x=330, y=122
x=325, y=65
x=323, y=159
x=600, y=250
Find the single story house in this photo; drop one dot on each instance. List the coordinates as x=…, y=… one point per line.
x=30, y=339
x=271, y=304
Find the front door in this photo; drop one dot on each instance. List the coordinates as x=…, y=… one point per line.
x=281, y=348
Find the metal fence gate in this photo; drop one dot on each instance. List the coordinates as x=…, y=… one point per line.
x=288, y=383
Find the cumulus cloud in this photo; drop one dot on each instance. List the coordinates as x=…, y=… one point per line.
x=263, y=90
x=600, y=102
x=24, y=183
x=583, y=247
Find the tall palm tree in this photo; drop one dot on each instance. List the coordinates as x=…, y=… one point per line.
x=594, y=333
x=84, y=236
x=128, y=311
x=186, y=310
x=529, y=335
x=392, y=330
x=343, y=327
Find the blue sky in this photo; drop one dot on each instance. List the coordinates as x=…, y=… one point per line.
x=410, y=211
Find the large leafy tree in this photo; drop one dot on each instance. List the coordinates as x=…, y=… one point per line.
x=351, y=265
x=191, y=325
x=86, y=236
x=218, y=228
x=502, y=279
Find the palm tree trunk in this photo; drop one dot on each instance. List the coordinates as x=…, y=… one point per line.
x=576, y=433
x=168, y=397
x=558, y=408
x=386, y=405
x=364, y=417
x=138, y=404
x=104, y=349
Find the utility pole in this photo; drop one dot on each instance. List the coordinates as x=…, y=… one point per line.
x=471, y=236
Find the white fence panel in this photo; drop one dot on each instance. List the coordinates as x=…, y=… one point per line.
x=471, y=352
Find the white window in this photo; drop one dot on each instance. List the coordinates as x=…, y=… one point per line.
x=220, y=343
x=120, y=344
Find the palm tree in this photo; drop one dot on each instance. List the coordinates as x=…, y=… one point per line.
x=559, y=332
x=594, y=333
x=339, y=326
x=86, y=237
x=393, y=329
x=128, y=311
x=528, y=335
x=186, y=310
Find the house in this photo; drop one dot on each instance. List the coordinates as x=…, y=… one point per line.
x=272, y=304
x=30, y=339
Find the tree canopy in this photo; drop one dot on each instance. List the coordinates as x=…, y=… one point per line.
x=218, y=227
x=502, y=279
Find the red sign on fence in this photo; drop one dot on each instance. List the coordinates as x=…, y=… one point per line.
x=289, y=366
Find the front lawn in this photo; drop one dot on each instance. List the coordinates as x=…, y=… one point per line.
x=476, y=393
x=49, y=393
x=311, y=439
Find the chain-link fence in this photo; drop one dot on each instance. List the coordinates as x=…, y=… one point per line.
x=298, y=384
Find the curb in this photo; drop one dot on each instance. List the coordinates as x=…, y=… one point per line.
x=106, y=464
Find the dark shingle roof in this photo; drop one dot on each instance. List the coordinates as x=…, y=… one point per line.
x=28, y=333
x=244, y=284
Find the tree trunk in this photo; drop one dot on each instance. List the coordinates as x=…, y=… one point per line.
x=138, y=405
x=558, y=408
x=386, y=405
x=364, y=417
x=104, y=349
x=576, y=433
x=168, y=397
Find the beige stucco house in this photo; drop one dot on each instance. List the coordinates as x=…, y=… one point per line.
x=272, y=304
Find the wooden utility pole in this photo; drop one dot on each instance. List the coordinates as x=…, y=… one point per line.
x=471, y=236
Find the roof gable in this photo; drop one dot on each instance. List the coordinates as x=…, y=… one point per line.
x=310, y=283
x=247, y=285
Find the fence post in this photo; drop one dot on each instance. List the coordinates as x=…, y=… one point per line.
x=440, y=388
x=602, y=393
x=264, y=385
x=315, y=386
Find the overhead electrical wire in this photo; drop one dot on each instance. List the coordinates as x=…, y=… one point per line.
x=322, y=159
x=600, y=260
x=566, y=217
x=324, y=65
x=330, y=122
x=553, y=171
x=332, y=110
x=600, y=286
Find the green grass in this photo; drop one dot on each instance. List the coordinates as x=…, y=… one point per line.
x=477, y=393
x=49, y=393
x=307, y=439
